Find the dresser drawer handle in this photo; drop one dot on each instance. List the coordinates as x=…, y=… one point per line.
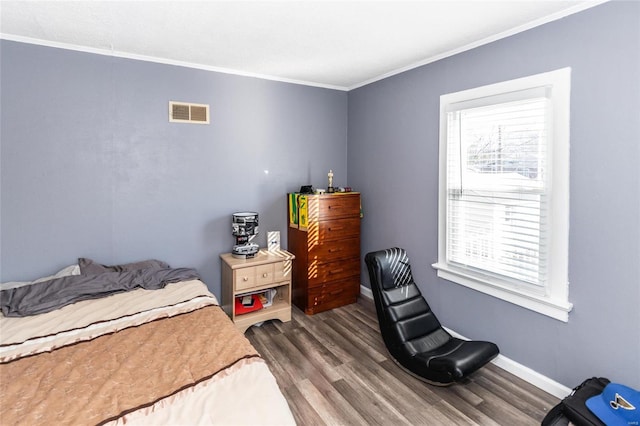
x=335, y=250
x=337, y=228
x=245, y=278
x=265, y=275
x=336, y=271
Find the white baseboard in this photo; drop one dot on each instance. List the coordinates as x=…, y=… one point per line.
x=366, y=292
x=525, y=373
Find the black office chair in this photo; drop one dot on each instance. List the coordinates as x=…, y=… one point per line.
x=410, y=330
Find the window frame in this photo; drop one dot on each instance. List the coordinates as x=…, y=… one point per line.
x=553, y=301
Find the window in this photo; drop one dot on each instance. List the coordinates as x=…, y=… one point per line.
x=504, y=191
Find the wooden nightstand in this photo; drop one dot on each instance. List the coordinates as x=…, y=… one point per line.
x=267, y=270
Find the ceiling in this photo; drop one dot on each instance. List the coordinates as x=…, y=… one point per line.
x=336, y=44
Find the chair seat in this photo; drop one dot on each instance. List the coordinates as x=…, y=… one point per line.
x=457, y=358
x=412, y=333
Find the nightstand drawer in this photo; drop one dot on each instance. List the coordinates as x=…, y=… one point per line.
x=282, y=270
x=255, y=276
x=244, y=278
x=264, y=274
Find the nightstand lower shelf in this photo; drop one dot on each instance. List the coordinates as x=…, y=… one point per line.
x=279, y=310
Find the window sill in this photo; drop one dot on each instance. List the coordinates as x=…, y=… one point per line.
x=545, y=305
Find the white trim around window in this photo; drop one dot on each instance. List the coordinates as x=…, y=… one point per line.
x=478, y=242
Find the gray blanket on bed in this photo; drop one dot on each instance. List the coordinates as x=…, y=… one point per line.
x=49, y=295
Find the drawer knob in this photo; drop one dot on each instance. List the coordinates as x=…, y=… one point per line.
x=245, y=278
x=265, y=275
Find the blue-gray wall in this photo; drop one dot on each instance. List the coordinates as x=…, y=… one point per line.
x=393, y=160
x=91, y=167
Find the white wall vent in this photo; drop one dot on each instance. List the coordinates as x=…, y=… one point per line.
x=181, y=112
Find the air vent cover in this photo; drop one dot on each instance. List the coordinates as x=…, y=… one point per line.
x=181, y=112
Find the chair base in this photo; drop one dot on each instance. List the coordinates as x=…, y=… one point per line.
x=422, y=379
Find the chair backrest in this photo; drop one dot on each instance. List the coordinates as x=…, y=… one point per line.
x=407, y=324
x=393, y=268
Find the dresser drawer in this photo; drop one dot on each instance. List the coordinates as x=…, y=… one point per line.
x=337, y=228
x=327, y=251
x=334, y=271
x=334, y=206
x=331, y=293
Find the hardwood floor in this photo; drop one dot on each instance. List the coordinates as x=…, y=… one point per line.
x=334, y=369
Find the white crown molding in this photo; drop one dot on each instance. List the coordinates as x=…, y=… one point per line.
x=536, y=23
x=553, y=17
x=126, y=55
x=525, y=373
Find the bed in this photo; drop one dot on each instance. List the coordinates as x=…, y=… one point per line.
x=135, y=353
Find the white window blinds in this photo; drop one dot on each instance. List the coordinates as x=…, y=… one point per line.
x=503, y=195
x=497, y=203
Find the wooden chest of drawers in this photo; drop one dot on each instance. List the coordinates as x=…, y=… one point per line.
x=326, y=273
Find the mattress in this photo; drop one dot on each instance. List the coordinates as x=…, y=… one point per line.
x=165, y=356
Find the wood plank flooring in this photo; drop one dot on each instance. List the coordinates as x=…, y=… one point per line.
x=334, y=369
